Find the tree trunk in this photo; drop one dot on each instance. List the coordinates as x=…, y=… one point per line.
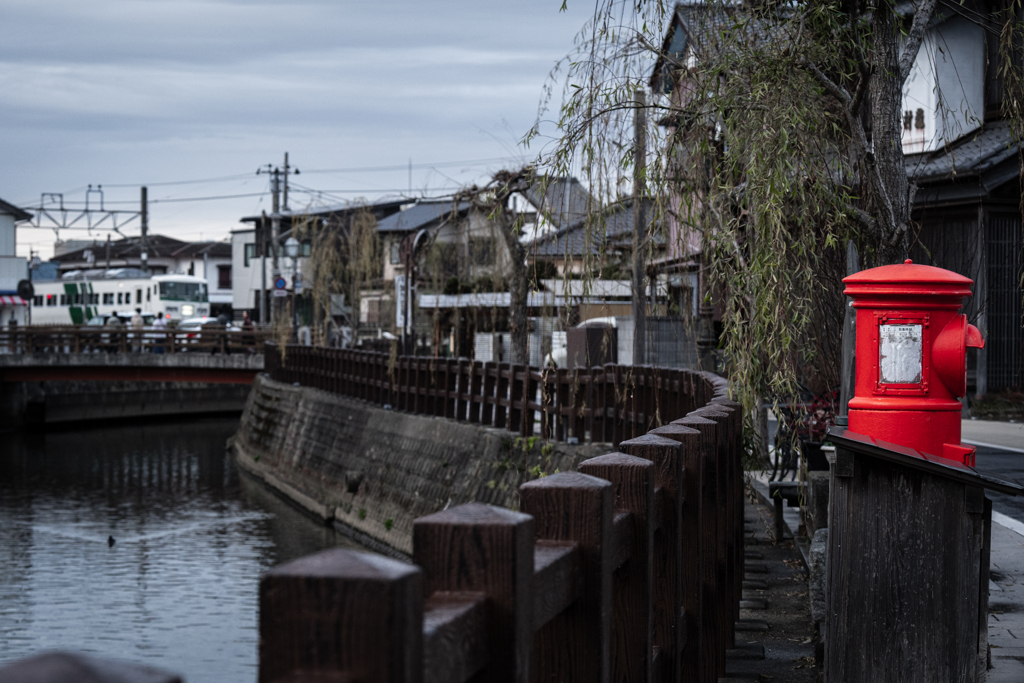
x=892, y=187
x=639, y=233
x=519, y=325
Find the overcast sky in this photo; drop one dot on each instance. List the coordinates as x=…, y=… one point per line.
x=126, y=93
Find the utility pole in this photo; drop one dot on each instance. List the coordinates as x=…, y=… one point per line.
x=285, y=202
x=639, y=230
x=144, y=215
x=275, y=234
x=262, y=233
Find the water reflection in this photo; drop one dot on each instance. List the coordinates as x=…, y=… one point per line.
x=178, y=588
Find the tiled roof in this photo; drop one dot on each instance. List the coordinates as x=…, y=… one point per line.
x=564, y=201
x=419, y=216
x=609, y=229
x=971, y=155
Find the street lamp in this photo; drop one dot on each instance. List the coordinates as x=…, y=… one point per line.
x=291, y=250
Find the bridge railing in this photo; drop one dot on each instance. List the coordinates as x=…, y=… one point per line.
x=610, y=403
x=54, y=339
x=629, y=569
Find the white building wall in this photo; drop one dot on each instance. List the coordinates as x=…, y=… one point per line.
x=8, y=235
x=946, y=87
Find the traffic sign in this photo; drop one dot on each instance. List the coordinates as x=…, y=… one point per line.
x=280, y=287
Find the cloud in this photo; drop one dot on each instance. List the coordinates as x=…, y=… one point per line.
x=119, y=91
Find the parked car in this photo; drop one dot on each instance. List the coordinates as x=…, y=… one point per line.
x=190, y=330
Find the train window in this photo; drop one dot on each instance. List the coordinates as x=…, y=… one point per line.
x=51, y=299
x=63, y=299
x=108, y=298
x=94, y=298
x=138, y=296
x=37, y=300
x=147, y=294
x=183, y=291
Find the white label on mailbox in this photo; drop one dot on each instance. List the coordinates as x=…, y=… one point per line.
x=900, y=354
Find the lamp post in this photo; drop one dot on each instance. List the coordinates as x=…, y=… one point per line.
x=291, y=249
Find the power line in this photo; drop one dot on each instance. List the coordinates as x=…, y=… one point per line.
x=403, y=167
x=238, y=176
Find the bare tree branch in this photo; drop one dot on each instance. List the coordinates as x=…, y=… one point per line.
x=921, y=18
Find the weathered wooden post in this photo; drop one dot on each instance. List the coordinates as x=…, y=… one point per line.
x=488, y=551
x=726, y=516
x=574, y=644
x=712, y=572
x=632, y=479
x=675, y=636
x=907, y=583
x=341, y=615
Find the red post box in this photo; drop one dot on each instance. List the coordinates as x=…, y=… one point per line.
x=912, y=345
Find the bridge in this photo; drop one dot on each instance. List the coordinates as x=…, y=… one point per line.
x=131, y=367
x=83, y=353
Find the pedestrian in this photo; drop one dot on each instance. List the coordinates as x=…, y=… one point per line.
x=114, y=339
x=160, y=327
x=137, y=322
x=248, y=340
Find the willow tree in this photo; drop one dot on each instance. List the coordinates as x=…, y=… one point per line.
x=779, y=144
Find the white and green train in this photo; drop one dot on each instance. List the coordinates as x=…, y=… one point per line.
x=80, y=296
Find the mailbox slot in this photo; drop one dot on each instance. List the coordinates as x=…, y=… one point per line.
x=903, y=341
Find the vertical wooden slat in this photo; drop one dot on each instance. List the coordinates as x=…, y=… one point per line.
x=487, y=549
x=490, y=382
x=529, y=396
x=574, y=646
x=500, y=411
x=515, y=399
x=476, y=370
x=305, y=604
x=632, y=480
x=578, y=403
x=562, y=407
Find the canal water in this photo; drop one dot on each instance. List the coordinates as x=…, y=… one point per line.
x=178, y=587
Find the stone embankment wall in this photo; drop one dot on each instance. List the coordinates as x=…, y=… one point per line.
x=371, y=471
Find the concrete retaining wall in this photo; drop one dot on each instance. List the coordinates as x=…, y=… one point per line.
x=371, y=471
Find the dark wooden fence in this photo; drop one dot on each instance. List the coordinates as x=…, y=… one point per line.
x=96, y=339
x=602, y=404
x=630, y=569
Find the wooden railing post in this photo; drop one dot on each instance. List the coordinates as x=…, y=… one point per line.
x=489, y=550
x=730, y=469
x=676, y=636
x=712, y=573
x=632, y=579
x=685, y=499
x=574, y=645
x=310, y=609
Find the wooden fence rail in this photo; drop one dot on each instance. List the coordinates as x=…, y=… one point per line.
x=609, y=404
x=95, y=339
x=629, y=569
